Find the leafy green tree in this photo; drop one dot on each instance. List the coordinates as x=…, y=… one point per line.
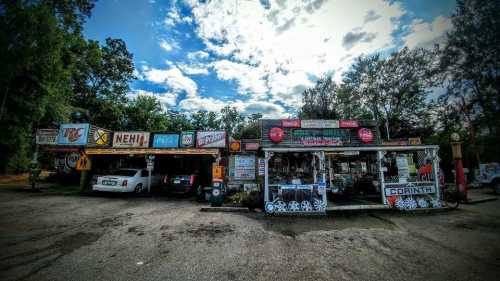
x=205, y=120
x=230, y=119
x=146, y=113
x=250, y=128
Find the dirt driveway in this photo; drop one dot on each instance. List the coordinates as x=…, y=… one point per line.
x=72, y=237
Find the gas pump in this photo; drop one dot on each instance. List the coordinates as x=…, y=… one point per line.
x=217, y=194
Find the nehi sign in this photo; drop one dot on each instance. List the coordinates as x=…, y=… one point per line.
x=130, y=139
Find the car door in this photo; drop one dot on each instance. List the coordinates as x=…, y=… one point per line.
x=144, y=177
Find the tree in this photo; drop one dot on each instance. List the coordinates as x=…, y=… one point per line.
x=230, y=119
x=146, y=113
x=205, y=120
x=319, y=102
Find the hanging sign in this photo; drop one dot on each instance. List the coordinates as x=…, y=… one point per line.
x=235, y=146
x=348, y=123
x=211, y=139
x=276, y=134
x=73, y=134
x=47, y=136
x=408, y=189
x=290, y=123
x=166, y=140
x=251, y=146
x=319, y=124
x=365, y=135
x=83, y=164
x=130, y=139
x=187, y=139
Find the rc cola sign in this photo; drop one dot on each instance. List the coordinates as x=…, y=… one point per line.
x=73, y=134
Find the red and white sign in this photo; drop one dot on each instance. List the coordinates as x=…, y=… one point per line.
x=319, y=124
x=349, y=123
x=211, y=139
x=365, y=135
x=276, y=134
x=290, y=123
x=252, y=146
x=130, y=139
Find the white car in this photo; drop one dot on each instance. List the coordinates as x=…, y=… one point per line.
x=126, y=180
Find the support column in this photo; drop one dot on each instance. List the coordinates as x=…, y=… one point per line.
x=267, y=156
x=381, y=176
x=435, y=170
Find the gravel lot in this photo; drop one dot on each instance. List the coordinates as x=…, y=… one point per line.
x=46, y=236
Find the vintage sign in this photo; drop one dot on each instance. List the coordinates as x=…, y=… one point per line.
x=130, y=139
x=244, y=167
x=319, y=124
x=411, y=188
x=83, y=163
x=47, y=136
x=211, y=139
x=166, y=140
x=73, y=134
x=349, y=123
x=249, y=146
x=71, y=159
x=318, y=137
x=235, y=146
x=187, y=139
x=414, y=141
x=217, y=171
x=276, y=134
x=365, y=135
x=262, y=166
x=290, y=123
x=99, y=137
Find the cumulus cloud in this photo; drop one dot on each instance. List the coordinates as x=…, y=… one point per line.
x=193, y=69
x=426, y=34
x=167, y=46
x=166, y=99
x=198, y=55
x=172, y=78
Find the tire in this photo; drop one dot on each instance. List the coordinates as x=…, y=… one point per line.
x=138, y=188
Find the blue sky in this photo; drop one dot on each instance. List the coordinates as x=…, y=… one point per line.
x=257, y=55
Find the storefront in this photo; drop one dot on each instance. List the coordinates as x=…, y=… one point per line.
x=314, y=165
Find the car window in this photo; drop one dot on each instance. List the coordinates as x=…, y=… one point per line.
x=125, y=173
x=144, y=173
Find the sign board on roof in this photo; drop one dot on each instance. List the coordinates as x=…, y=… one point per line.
x=319, y=124
x=251, y=146
x=130, y=139
x=46, y=136
x=99, y=137
x=166, y=140
x=290, y=123
x=187, y=139
x=73, y=134
x=349, y=123
x=211, y=139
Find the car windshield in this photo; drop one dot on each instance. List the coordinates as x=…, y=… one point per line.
x=125, y=173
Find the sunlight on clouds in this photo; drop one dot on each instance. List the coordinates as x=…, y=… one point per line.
x=425, y=34
x=172, y=78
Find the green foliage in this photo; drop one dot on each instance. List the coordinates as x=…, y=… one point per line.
x=146, y=113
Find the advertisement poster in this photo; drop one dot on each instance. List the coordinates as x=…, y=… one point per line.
x=244, y=167
x=46, y=136
x=211, y=139
x=166, y=140
x=99, y=137
x=403, y=169
x=290, y=123
x=130, y=139
x=73, y=134
x=187, y=139
x=262, y=166
x=319, y=124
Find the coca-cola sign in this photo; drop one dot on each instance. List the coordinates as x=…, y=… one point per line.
x=207, y=139
x=365, y=135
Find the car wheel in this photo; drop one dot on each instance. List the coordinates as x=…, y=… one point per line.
x=138, y=188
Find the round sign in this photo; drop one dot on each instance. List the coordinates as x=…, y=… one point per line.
x=235, y=146
x=215, y=192
x=71, y=159
x=101, y=137
x=276, y=134
x=365, y=135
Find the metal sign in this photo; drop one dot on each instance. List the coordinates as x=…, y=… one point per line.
x=262, y=166
x=150, y=165
x=47, y=136
x=349, y=123
x=319, y=124
x=251, y=146
x=71, y=160
x=211, y=139
x=408, y=189
x=166, y=140
x=73, y=134
x=217, y=171
x=83, y=164
x=130, y=139
x=187, y=139
x=290, y=123
x=235, y=146
x=244, y=167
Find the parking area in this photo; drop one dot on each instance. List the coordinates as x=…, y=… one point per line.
x=55, y=236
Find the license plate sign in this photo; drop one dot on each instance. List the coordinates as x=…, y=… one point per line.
x=105, y=182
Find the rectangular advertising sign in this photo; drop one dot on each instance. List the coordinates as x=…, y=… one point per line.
x=349, y=123
x=47, y=136
x=319, y=124
x=408, y=189
x=187, y=139
x=130, y=139
x=166, y=140
x=290, y=123
x=206, y=139
x=73, y=134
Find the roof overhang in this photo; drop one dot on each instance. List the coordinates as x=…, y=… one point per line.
x=357, y=148
x=157, y=151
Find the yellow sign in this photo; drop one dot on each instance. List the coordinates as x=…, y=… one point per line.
x=83, y=164
x=101, y=137
x=217, y=171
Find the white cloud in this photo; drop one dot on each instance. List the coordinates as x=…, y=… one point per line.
x=273, y=51
x=173, y=17
x=193, y=69
x=199, y=103
x=172, y=78
x=166, y=46
x=198, y=55
x=166, y=99
x=425, y=34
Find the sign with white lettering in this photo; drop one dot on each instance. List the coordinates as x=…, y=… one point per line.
x=187, y=139
x=410, y=188
x=244, y=167
x=319, y=124
x=73, y=134
x=46, y=136
x=166, y=140
x=130, y=139
x=211, y=139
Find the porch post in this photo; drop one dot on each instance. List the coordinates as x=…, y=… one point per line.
x=381, y=176
x=435, y=167
x=322, y=170
x=267, y=156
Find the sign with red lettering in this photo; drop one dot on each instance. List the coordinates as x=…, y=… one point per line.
x=319, y=124
x=365, y=135
x=73, y=134
x=211, y=139
x=252, y=146
x=290, y=123
x=349, y=123
x=130, y=139
x=276, y=134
